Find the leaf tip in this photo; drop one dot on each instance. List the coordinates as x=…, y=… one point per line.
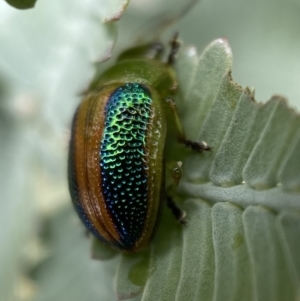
x=118, y=13
x=223, y=42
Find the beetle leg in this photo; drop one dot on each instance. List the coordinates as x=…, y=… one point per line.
x=175, y=45
x=177, y=212
x=197, y=146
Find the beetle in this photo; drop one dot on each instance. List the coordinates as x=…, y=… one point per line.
x=116, y=166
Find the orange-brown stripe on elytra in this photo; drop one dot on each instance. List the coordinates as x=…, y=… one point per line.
x=81, y=167
x=96, y=214
x=92, y=170
x=95, y=133
x=155, y=139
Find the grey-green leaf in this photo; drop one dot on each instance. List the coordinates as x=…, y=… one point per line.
x=233, y=275
x=213, y=132
x=271, y=277
x=199, y=79
x=289, y=229
x=262, y=167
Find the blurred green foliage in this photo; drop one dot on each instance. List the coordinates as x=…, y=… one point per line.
x=22, y=4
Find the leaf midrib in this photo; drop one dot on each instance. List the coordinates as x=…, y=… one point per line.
x=275, y=198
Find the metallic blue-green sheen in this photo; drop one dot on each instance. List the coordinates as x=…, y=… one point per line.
x=122, y=159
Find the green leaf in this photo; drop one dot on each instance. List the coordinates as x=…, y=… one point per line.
x=22, y=4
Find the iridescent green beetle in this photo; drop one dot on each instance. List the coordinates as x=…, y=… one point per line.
x=116, y=158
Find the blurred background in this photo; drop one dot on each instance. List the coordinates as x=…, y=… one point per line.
x=46, y=57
